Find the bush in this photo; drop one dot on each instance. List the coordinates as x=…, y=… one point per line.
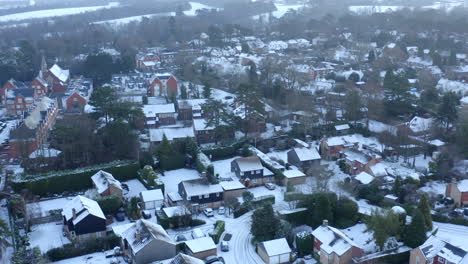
x=197, y=222
x=223, y=152
x=217, y=231
x=243, y=209
x=304, y=243
x=445, y=219
x=109, y=204
x=296, y=218
x=90, y=246
x=74, y=180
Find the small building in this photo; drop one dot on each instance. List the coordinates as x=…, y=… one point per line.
x=152, y=199
x=146, y=242
x=232, y=189
x=364, y=178
x=174, y=199
x=304, y=158
x=342, y=129
x=331, y=148
x=201, y=247
x=204, y=133
x=185, y=259
x=200, y=192
x=274, y=251
x=357, y=161
x=390, y=198
x=159, y=115
x=436, y=250
x=251, y=172
x=458, y=192
x=83, y=219
x=293, y=177
x=106, y=184
x=333, y=246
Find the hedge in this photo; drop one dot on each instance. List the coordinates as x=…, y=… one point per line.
x=304, y=243
x=109, y=204
x=88, y=247
x=223, y=152
x=256, y=203
x=217, y=231
x=445, y=219
x=295, y=196
x=73, y=180
x=297, y=218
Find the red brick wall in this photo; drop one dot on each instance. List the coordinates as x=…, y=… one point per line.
x=172, y=86
x=79, y=99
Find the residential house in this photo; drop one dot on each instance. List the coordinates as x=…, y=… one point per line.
x=320, y=70
x=251, y=172
x=10, y=85
x=358, y=161
x=200, y=192
x=40, y=86
x=304, y=158
x=436, y=250
x=57, y=78
x=147, y=61
x=331, y=148
x=419, y=125
x=364, y=178
x=164, y=85
x=201, y=247
x=190, y=109
x=171, y=133
x=293, y=177
x=333, y=246
x=204, y=133
x=34, y=130
x=145, y=242
x=275, y=251
x=106, y=184
x=185, y=259
x=159, y=115
x=152, y=199
x=458, y=192
x=83, y=219
x=77, y=96
x=19, y=101
x=342, y=129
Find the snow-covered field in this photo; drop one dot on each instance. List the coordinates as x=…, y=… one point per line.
x=47, y=236
x=434, y=187
x=282, y=9
x=54, y=12
x=42, y=208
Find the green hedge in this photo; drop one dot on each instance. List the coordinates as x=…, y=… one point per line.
x=296, y=218
x=259, y=202
x=445, y=219
x=218, y=231
x=223, y=152
x=73, y=180
x=295, y=196
x=88, y=247
x=304, y=243
x=109, y=204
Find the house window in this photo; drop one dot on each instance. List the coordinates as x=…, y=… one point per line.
x=241, y=173
x=206, y=196
x=199, y=196
x=217, y=194
x=418, y=260
x=254, y=180
x=20, y=100
x=203, y=205
x=259, y=171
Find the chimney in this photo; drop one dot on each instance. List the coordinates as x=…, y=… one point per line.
x=325, y=222
x=137, y=235
x=74, y=213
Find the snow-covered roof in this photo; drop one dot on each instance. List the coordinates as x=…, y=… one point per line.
x=201, y=124
x=306, y=154
x=103, y=180
x=142, y=232
x=293, y=174
x=333, y=240
x=152, y=195
x=379, y=169
x=360, y=157
x=398, y=209
x=45, y=153
x=200, y=244
x=153, y=110
x=35, y=117
x=198, y=187
x=83, y=207
x=364, y=177
x=156, y=134
x=174, y=211
x=231, y=185
x=341, y=127
x=420, y=124
x=435, y=246
x=61, y=74
x=249, y=163
x=463, y=186
x=185, y=259
x=276, y=247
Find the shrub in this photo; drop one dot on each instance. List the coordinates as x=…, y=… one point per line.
x=217, y=231
x=197, y=222
x=304, y=243
x=109, y=204
x=445, y=219
x=90, y=246
x=223, y=152
x=241, y=211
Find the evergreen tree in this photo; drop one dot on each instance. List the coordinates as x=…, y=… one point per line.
x=447, y=113
x=371, y=56
x=323, y=210
x=250, y=101
x=397, y=96
x=183, y=92
x=219, y=118
x=245, y=48
x=103, y=100
x=352, y=106
x=453, y=58
x=425, y=209
x=462, y=134
x=436, y=58
x=265, y=224
x=421, y=52
x=253, y=76
x=415, y=233
x=206, y=90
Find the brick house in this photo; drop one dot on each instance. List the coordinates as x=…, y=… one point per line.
x=106, y=184
x=40, y=86
x=19, y=101
x=458, y=192
x=331, y=148
x=251, y=172
x=147, y=61
x=304, y=158
x=203, y=133
x=357, y=161
x=436, y=251
x=159, y=115
x=10, y=85
x=201, y=192
x=57, y=78
x=75, y=102
x=190, y=109
x=333, y=246
x=164, y=85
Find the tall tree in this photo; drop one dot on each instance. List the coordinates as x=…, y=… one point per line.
x=397, y=96
x=352, y=106
x=415, y=233
x=253, y=107
x=218, y=117
x=103, y=100
x=425, y=209
x=447, y=113
x=265, y=224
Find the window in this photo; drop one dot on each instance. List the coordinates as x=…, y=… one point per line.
x=418, y=260
x=254, y=180
x=199, y=196
x=259, y=171
x=206, y=196
x=217, y=194
x=20, y=100
x=241, y=173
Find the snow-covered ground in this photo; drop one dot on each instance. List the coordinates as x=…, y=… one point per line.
x=134, y=188
x=47, y=236
x=454, y=234
x=282, y=9
x=223, y=167
x=42, y=208
x=54, y=12
x=171, y=179
x=195, y=7
x=6, y=252
x=5, y=133
x=434, y=187
x=94, y=258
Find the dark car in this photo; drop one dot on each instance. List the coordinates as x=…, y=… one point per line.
x=180, y=238
x=146, y=214
x=120, y=215
x=213, y=260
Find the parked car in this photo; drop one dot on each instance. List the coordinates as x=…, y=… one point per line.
x=270, y=186
x=197, y=233
x=454, y=214
x=180, y=238
x=120, y=215
x=465, y=211
x=221, y=210
x=146, y=214
x=224, y=246
x=214, y=260
x=208, y=212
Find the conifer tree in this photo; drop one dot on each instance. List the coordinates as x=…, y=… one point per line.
x=425, y=209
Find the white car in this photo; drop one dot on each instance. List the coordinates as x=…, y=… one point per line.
x=208, y=212
x=221, y=210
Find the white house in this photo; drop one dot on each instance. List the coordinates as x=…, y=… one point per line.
x=152, y=199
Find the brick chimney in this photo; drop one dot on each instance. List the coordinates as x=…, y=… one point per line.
x=74, y=213
x=137, y=235
x=325, y=222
